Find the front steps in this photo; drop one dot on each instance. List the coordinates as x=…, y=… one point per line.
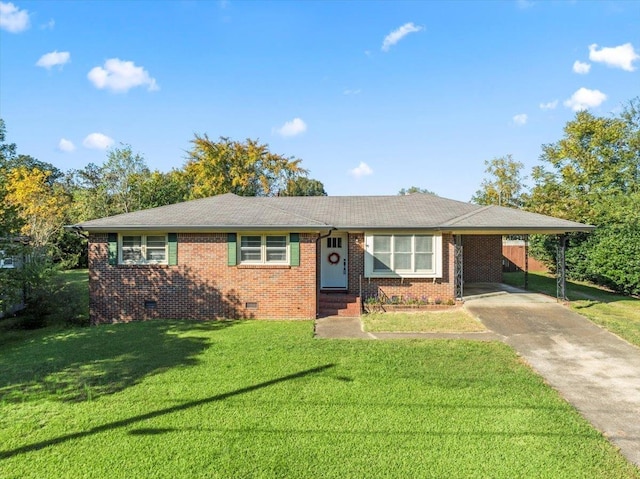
x=338, y=304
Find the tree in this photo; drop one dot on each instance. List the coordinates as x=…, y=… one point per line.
x=117, y=186
x=414, y=189
x=123, y=174
x=40, y=206
x=592, y=175
x=90, y=196
x=246, y=169
x=303, y=186
x=159, y=189
x=504, y=184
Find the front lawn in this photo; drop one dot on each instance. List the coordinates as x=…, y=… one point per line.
x=264, y=399
x=455, y=320
x=619, y=314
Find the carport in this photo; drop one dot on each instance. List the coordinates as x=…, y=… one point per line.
x=496, y=221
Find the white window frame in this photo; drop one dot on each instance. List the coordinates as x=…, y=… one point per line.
x=143, y=248
x=4, y=264
x=263, y=248
x=436, y=247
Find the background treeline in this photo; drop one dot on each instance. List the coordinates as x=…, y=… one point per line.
x=590, y=175
x=38, y=199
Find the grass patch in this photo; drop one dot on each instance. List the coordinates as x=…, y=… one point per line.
x=448, y=321
x=67, y=305
x=617, y=313
x=264, y=399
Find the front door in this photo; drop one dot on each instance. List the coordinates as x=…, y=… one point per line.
x=333, y=262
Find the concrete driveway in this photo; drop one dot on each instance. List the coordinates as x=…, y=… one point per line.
x=596, y=371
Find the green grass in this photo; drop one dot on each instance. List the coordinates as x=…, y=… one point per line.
x=176, y=399
x=619, y=314
x=447, y=321
x=67, y=304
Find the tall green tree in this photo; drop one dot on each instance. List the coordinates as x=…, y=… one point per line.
x=503, y=185
x=303, y=186
x=592, y=175
x=159, y=189
x=116, y=186
x=414, y=189
x=595, y=163
x=244, y=168
x=123, y=174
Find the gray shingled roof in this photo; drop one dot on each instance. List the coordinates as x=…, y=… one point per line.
x=229, y=212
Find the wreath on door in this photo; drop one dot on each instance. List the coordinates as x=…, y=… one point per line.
x=334, y=258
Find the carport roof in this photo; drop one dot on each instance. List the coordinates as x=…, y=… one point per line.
x=230, y=212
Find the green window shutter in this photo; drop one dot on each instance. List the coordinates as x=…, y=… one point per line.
x=172, y=239
x=294, y=249
x=113, y=248
x=232, y=251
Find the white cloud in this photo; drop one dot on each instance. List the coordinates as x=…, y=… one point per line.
x=361, y=170
x=12, y=19
x=66, y=145
x=120, y=76
x=549, y=105
x=49, y=60
x=352, y=92
x=49, y=25
x=524, y=4
x=292, y=128
x=97, y=141
x=621, y=56
x=584, y=98
x=581, y=68
x=520, y=119
x=398, y=34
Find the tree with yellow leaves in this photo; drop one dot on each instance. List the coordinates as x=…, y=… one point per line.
x=39, y=203
x=246, y=169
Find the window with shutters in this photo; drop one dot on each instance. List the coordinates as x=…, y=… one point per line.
x=143, y=249
x=263, y=249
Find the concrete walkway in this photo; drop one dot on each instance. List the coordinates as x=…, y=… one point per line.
x=596, y=371
x=339, y=327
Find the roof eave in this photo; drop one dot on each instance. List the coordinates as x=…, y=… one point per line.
x=196, y=228
x=514, y=230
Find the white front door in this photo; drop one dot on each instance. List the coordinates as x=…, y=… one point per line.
x=333, y=261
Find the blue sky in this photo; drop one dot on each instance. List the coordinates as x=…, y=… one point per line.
x=372, y=96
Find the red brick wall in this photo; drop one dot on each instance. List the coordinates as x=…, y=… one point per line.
x=482, y=257
x=442, y=288
x=201, y=286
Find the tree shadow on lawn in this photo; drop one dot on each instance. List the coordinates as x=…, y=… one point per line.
x=82, y=364
x=158, y=413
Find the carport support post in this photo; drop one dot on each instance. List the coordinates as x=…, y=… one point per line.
x=526, y=261
x=561, y=279
x=457, y=267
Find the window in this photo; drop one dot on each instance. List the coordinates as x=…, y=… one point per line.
x=263, y=249
x=6, y=261
x=403, y=255
x=143, y=249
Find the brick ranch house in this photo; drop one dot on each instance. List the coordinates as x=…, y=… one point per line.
x=294, y=257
